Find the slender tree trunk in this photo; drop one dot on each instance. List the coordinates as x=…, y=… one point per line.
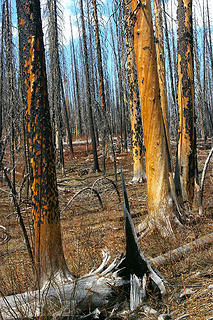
x=159, y=201
x=10, y=76
x=174, y=97
x=200, y=111
x=49, y=257
x=1, y=85
x=55, y=78
x=186, y=143
x=89, y=97
x=76, y=83
x=139, y=173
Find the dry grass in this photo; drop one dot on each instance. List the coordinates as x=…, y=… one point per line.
x=87, y=228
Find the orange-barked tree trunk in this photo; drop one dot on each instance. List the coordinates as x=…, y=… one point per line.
x=161, y=65
x=186, y=134
x=160, y=205
x=48, y=251
x=139, y=172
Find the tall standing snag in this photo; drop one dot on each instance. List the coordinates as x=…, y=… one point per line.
x=49, y=258
x=160, y=205
x=186, y=134
x=139, y=173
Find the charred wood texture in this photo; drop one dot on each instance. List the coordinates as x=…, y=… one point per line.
x=186, y=134
x=139, y=172
x=48, y=252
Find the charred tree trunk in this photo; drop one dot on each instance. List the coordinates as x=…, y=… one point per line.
x=1, y=86
x=55, y=91
x=139, y=172
x=186, y=135
x=48, y=251
x=10, y=85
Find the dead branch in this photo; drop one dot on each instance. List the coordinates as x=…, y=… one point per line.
x=111, y=181
x=5, y=237
x=18, y=211
x=203, y=180
x=79, y=192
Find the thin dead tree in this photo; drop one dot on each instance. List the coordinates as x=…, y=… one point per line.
x=187, y=136
x=88, y=91
x=139, y=172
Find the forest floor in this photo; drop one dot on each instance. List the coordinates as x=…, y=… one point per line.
x=88, y=228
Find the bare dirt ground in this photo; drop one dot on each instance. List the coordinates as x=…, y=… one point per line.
x=87, y=228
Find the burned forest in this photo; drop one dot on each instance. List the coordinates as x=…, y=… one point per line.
x=106, y=159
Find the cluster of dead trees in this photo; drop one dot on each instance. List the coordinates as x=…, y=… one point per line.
x=140, y=71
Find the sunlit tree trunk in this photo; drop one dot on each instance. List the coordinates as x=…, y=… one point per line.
x=159, y=200
x=186, y=143
x=161, y=65
x=48, y=251
x=139, y=172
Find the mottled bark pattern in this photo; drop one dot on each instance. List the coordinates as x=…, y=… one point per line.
x=49, y=257
x=134, y=100
x=186, y=143
x=159, y=201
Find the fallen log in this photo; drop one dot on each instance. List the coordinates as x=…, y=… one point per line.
x=181, y=252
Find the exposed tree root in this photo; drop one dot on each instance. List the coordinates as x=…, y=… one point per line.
x=163, y=223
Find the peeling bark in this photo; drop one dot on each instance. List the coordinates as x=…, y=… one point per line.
x=160, y=204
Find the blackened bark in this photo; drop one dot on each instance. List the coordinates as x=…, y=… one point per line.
x=49, y=258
